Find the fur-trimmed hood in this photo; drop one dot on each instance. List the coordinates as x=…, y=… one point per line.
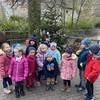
x=73, y=56
x=1, y=52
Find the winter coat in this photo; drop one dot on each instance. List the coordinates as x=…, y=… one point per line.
x=18, y=69
x=92, y=70
x=4, y=65
x=56, y=54
x=68, y=68
x=7, y=62
x=40, y=60
x=51, y=68
x=32, y=64
x=82, y=58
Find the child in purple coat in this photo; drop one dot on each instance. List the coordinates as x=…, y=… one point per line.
x=41, y=55
x=18, y=71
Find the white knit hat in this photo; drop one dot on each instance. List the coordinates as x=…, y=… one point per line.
x=53, y=44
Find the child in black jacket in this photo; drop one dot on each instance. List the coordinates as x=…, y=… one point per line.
x=51, y=70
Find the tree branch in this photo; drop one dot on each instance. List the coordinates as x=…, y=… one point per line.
x=73, y=9
x=14, y=3
x=82, y=3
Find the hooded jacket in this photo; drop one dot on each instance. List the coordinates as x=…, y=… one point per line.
x=51, y=65
x=29, y=46
x=18, y=69
x=32, y=64
x=92, y=70
x=40, y=60
x=68, y=67
x=82, y=58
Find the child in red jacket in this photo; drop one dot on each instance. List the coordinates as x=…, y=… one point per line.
x=92, y=71
x=32, y=68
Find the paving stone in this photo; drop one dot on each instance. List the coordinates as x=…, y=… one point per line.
x=39, y=93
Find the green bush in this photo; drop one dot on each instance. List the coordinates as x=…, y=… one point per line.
x=14, y=23
x=82, y=24
x=85, y=24
x=51, y=27
x=97, y=22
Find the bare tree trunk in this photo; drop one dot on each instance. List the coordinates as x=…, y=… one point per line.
x=79, y=13
x=34, y=13
x=73, y=13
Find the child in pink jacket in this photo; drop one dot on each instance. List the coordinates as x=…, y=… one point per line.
x=18, y=71
x=5, y=64
x=68, y=68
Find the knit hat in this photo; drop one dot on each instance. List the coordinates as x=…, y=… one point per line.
x=32, y=48
x=49, y=54
x=16, y=45
x=95, y=49
x=53, y=44
x=69, y=50
x=46, y=43
x=34, y=37
x=86, y=42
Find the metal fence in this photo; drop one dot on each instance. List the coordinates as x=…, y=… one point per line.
x=14, y=36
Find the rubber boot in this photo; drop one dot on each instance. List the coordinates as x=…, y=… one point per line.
x=17, y=93
x=48, y=87
x=64, y=88
x=52, y=87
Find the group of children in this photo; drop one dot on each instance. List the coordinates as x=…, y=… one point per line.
x=44, y=62
x=89, y=67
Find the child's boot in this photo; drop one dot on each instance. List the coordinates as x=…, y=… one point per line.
x=11, y=88
x=89, y=98
x=17, y=93
x=6, y=91
x=38, y=83
x=52, y=87
x=48, y=87
x=56, y=82
x=64, y=88
x=22, y=93
x=69, y=89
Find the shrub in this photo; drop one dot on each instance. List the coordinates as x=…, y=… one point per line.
x=14, y=23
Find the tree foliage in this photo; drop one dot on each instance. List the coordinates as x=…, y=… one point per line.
x=52, y=17
x=52, y=14
x=34, y=14
x=14, y=23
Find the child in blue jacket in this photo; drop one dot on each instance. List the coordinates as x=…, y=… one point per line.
x=56, y=54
